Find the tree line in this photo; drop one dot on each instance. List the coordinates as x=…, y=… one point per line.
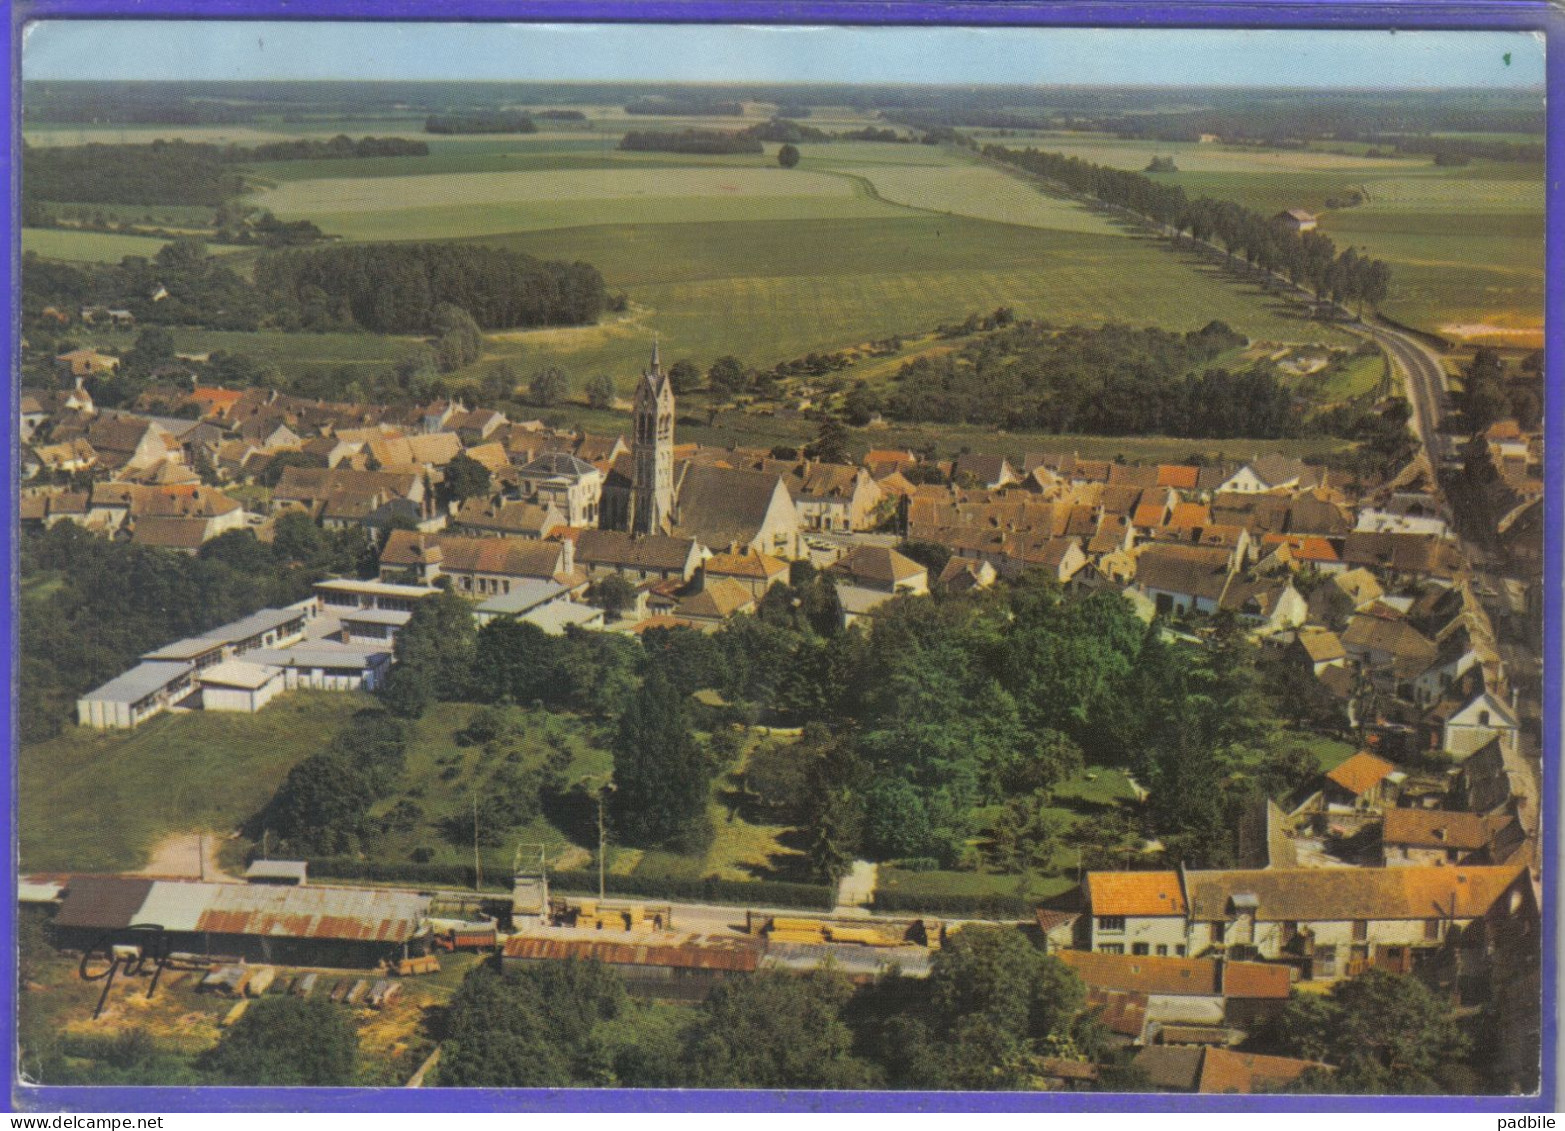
x=691, y=141
x=1308, y=259
x=1113, y=381
x=481, y=122
x=396, y=288
x=175, y=172
x=685, y=107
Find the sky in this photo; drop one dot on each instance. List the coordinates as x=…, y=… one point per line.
x=194, y=50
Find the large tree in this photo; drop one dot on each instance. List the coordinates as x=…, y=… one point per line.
x=775, y=1029
x=434, y=653
x=661, y=777
x=287, y=1042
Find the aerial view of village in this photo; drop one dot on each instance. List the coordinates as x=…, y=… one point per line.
x=927, y=562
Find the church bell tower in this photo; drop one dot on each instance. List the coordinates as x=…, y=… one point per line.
x=652, y=449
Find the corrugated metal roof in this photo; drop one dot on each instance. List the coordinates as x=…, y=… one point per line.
x=358, y=914
x=733, y=955
x=141, y=681
x=103, y=902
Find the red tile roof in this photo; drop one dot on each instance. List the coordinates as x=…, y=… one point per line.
x=1135, y=893
x=1361, y=773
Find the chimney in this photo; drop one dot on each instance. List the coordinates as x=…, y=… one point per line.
x=567, y=555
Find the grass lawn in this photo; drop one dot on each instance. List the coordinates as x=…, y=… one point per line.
x=1096, y=785
x=1028, y=885
x=1329, y=752
x=99, y=800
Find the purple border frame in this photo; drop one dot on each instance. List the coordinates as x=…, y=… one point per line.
x=1423, y=14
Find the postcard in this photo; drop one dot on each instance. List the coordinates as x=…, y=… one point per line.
x=802, y=559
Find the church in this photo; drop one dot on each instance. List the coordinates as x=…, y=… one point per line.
x=723, y=508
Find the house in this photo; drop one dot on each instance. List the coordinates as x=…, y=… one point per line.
x=884, y=462
x=1359, y=782
x=1471, y=726
x=418, y=454
x=508, y=518
x=987, y=471
x=880, y=568
x=341, y=497
x=1483, y=782
x=1388, y=647
x=1442, y=836
x=66, y=458
x=649, y=557
x=1182, y=579
x=476, y=426
x=1318, y=649
x=718, y=599
x=1296, y=220
x=1266, y=606
x=1337, y=922
x=1208, y=992
x=126, y=443
x=1417, y=557
x=86, y=363
x=133, y=697
x=1228, y=1072
x=962, y=575
x=477, y=567
x=1343, y=594
x=755, y=571
x=1266, y=473
x=832, y=496
x=569, y=484
x=1136, y=913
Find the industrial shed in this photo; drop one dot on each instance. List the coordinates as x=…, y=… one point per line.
x=303, y=926
x=666, y=966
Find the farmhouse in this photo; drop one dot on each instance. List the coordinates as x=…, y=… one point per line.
x=1137, y=913
x=1297, y=220
x=86, y=363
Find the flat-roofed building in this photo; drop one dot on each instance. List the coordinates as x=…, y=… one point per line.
x=133, y=697
x=237, y=685
x=373, y=626
x=339, y=593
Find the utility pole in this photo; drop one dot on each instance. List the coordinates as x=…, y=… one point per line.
x=602, y=840
x=478, y=867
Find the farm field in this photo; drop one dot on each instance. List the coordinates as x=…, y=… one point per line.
x=774, y=290
x=1465, y=243
x=97, y=247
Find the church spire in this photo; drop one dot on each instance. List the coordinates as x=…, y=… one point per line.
x=654, y=369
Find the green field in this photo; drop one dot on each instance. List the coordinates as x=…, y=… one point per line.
x=97, y=247
x=99, y=800
x=1465, y=242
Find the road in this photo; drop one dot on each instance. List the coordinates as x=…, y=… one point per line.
x=1423, y=378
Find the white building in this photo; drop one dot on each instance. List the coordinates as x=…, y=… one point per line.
x=131, y=698
x=238, y=685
